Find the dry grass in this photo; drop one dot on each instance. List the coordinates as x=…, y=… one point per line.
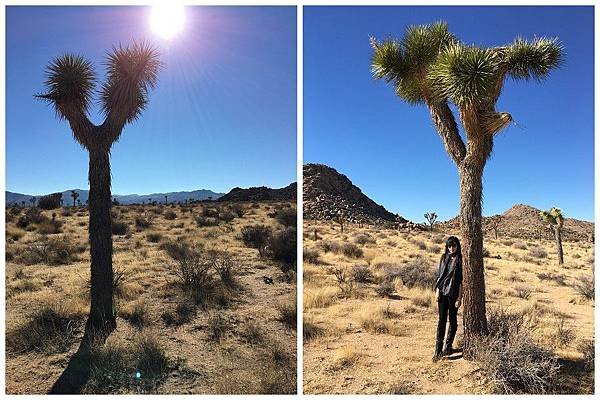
x=162, y=327
x=383, y=335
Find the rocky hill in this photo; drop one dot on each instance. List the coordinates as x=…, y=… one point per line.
x=524, y=221
x=328, y=194
x=261, y=193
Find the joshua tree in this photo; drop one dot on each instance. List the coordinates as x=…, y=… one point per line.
x=132, y=72
x=74, y=195
x=494, y=222
x=166, y=196
x=430, y=66
x=554, y=219
x=340, y=218
x=431, y=218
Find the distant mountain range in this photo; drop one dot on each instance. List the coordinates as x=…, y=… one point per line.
x=172, y=197
x=261, y=193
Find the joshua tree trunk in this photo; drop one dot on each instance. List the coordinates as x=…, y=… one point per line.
x=474, y=320
x=559, y=248
x=101, y=319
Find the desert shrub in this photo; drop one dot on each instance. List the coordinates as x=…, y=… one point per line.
x=385, y=289
x=520, y=245
x=361, y=274
x=119, y=228
x=286, y=217
x=329, y=246
x=311, y=330
x=226, y=216
x=311, y=256
x=584, y=285
x=256, y=237
x=434, y=249
x=252, y=333
x=564, y=335
x=238, y=209
x=364, y=238
x=282, y=248
x=416, y=273
x=14, y=234
x=66, y=212
x=50, y=329
x=560, y=279
x=586, y=347
x=50, y=202
x=420, y=244
x=32, y=215
x=154, y=237
x=343, y=281
x=183, y=314
x=119, y=277
x=351, y=250
x=286, y=314
x=522, y=291
x=217, y=327
x=210, y=212
x=170, y=215
x=49, y=227
x=439, y=239
x=537, y=252
x=142, y=223
x=224, y=266
x=48, y=251
x=507, y=242
x=136, y=315
x=151, y=358
x=511, y=358
x=177, y=250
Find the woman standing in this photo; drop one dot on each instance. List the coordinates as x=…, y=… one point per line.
x=448, y=287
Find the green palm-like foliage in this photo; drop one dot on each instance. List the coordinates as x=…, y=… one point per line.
x=70, y=81
x=534, y=59
x=131, y=73
x=553, y=217
x=405, y=62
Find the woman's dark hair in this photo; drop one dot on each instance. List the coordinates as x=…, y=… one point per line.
x=453, y=240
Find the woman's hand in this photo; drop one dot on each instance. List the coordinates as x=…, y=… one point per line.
x=437, y=294
x=458, y=303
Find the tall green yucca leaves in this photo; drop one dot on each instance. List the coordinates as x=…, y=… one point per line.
x=131, y=72
x=404, y=61
x=553, y=217
x=533, y=59
x=464, y=74
x=70, y=81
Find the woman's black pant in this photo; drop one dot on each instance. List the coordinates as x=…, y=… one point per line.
x=447, y=310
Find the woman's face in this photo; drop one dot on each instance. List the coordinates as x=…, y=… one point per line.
x=452, y=248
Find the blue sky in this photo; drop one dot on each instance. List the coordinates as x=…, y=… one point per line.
x=390, y=149
x=223, y=115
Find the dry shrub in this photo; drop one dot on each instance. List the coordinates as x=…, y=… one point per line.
x=170, y=215
x=564, y=335
x=119, y=228
x=537, y=252
x=320, y=298
x=311, y=256
x=49, y=227
x=142, y=223
x=522, y=291
x=55, y=251
x=311, y=330
x=385, y=288
x=416, y=273
x=586, y=347
x=154, y=237
x=136, y=314
x=217, y=328
x=520, y=245
x=584, y=285
x=560, y=279
x=286, y=217
x=511, y=359
x=52, y=328
x=364, y=238
x=329, y=246
x=281, y=247
x=351, y=250
x=287, y=314
x=256, y=237
x=361, y=274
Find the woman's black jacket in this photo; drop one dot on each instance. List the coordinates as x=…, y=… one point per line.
x=449, y=276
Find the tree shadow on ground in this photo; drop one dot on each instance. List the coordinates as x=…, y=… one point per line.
x=77, y=373
x=574, y=378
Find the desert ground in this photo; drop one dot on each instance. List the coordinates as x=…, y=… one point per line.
x=370, y=314
x=196, y=309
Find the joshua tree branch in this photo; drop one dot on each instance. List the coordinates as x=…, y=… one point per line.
x=445, y=124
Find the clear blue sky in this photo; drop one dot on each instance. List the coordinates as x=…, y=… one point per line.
x=223, y=115
x=390, y=149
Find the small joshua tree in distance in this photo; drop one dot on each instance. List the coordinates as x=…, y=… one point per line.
x=494, y=221
x=431, y=219
x=555, y=219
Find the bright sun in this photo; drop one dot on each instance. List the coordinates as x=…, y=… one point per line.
x=167, y=19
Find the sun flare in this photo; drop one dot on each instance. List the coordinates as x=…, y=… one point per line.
x=167, y=20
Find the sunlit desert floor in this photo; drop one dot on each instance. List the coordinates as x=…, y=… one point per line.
x=242, y=341
x=357, y=341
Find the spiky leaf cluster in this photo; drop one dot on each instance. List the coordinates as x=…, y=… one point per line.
x=429, y=64
x=552, y=217
x=70, y=81
x=533, y=59
x=132, y=72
